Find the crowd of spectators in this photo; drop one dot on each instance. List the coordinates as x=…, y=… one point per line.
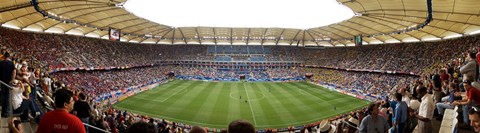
x=259, y=74
x=443, y=66
x=95, y=83
x=378, y=84
x=404, y=57
x=59, y=51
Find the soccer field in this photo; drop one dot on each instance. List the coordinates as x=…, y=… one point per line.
x=264, y=104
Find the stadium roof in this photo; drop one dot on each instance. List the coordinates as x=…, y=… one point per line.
x=378, y=21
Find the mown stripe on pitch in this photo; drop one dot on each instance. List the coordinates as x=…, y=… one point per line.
x=269, y=112
x=206, y=103
x=321, y=89
x=245, y=111
x=220, y=111
x=145, y=93
x=180, y=108
x=157, y=106
x=234, y=109
x=133, y=101
x=319, y=93
x=156, y=99
x=306, y=111
x=310, y=100
x=287, y=108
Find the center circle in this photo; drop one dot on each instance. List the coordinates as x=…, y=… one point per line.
x=236, y=96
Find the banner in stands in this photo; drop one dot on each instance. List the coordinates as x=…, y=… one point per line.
x=114, y=34
x=119, y=95
x=347, y=91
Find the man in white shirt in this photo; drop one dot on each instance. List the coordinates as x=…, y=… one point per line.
x=425, y=112
x=21, y=103
x=405, y=96
x=46, y=85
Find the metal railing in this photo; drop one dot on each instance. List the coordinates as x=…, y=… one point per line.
x=96, y=128
x=345, y=122
x=10, y=112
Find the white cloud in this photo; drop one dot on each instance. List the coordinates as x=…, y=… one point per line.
x=301, y=14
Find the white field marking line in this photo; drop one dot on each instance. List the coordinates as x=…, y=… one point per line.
x=311, y=95
x=301, y=92
x=149, y=100
x=263, y=96
x=266, y=126
x=323, y=101
x=251, y=109
x=172, y=95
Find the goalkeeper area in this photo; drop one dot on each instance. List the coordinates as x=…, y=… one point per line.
x=264, y=104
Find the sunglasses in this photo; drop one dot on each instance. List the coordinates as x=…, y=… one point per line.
x=476, y=109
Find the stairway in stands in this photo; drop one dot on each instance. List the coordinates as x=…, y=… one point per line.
x=27, y=126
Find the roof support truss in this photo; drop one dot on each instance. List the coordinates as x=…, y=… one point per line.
x=198, y=36
x=263, y=36
x=293, y=39
x=183, y=36
x=315, y=40
x=163, y=36
x=279, y=37
x=214, y=36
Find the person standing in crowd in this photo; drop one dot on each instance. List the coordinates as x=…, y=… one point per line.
x=437, y=86
x=470, y=70
x=82, y=109
x=47, y=85
x=7, y=74
x=400, y=113
x=59, y=120
x=473, y=95
x=426, y=109
x=373, y=123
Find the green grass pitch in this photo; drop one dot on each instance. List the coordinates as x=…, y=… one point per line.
x=264, y=104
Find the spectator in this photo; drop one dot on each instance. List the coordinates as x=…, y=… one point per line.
x=82, y=109
x=437, y=84
x=426, y=109
x=14, y=126
x=20, y=101
x=373, y=123
x=470, y=70
x=447, y=101
x=60, y=120
x=141, y=127
x=7, y=74
x=326, y=127
x=473, y=95
x=474, y=116
x=241, y=126
x=197, y=129
x=400, y=113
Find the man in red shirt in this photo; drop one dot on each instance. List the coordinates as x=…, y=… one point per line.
x=59, y=120
x=473, y=98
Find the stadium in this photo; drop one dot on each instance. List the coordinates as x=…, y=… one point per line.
x=103, y=66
